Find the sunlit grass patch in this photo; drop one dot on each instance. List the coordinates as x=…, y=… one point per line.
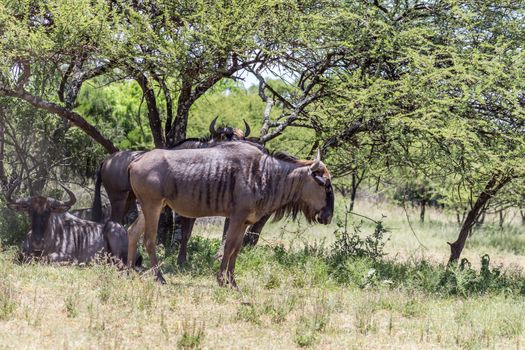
x=294, y=293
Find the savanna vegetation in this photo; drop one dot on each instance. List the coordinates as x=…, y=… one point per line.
x=416, y=106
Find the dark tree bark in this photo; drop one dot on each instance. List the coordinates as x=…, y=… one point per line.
x=153, y=111
x=180, y=124
x=501, y=218
x=493, y=186
x=481, y=219
x=356, y=181
x=423, y=209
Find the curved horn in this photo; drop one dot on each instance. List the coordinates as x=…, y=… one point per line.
x=72, y=199
x=213, y=132
x=247, y=127
x=316, y=165
x=9, y=193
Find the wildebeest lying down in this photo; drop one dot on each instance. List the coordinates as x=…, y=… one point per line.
x=58, y=236
x=233, y=179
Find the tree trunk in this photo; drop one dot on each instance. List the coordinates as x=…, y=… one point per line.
x=422, y=212
x=481, y=219
x=522, y=213
x=353, y=191
x=501, y=218
x=178, y=130
x=493, y=186
x=153, y=111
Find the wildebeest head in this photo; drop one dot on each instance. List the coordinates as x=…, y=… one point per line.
x=227, y=133
x=39, y=209
x=318, y=194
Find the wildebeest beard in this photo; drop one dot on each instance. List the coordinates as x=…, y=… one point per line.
x=293, y=209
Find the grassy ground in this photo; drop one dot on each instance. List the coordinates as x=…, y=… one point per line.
x=296, y=292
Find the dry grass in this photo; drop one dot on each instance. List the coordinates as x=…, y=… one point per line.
x=98, y=307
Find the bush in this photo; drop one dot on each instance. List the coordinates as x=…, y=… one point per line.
x=13, y=226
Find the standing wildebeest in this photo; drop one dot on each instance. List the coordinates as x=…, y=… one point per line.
x=59, y=236
x=113, y=174
x=233, y=179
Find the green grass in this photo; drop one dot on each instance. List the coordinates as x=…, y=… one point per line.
x=298, y=290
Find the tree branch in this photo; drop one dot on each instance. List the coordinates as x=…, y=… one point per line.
x=73, y=117
x=153, y=111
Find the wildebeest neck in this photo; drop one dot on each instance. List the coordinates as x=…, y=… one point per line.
x=39, y=224
x=282, y=183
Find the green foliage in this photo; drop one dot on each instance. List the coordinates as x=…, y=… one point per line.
x=13, y=227
x=352, y=268
x=352, y=245
x=118, y=109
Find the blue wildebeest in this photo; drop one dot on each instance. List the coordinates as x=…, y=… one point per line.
x=113, y=174
x=113, y=171
x=58, y=236
x=237, y=180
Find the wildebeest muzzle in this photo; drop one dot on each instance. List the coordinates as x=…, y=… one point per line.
x=325, y=215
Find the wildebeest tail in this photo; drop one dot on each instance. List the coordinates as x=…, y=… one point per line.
x=96, y=211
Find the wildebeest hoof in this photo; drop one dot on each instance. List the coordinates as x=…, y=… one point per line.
x=232, y=283
x=139, y=269
x=220, y=279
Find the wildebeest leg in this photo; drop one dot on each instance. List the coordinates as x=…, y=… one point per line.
x=187, y=228
x=118, y=202
x=130, y=210
x=151, y=217
x=134, y=232
x=220, y=252
x=252, y=234
x=232, y=246
x=59, y=257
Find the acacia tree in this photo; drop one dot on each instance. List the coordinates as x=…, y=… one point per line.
x=177, y=49
x=437, y=88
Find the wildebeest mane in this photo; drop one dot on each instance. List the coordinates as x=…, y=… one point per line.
x=204, y=140
x=279, y=155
